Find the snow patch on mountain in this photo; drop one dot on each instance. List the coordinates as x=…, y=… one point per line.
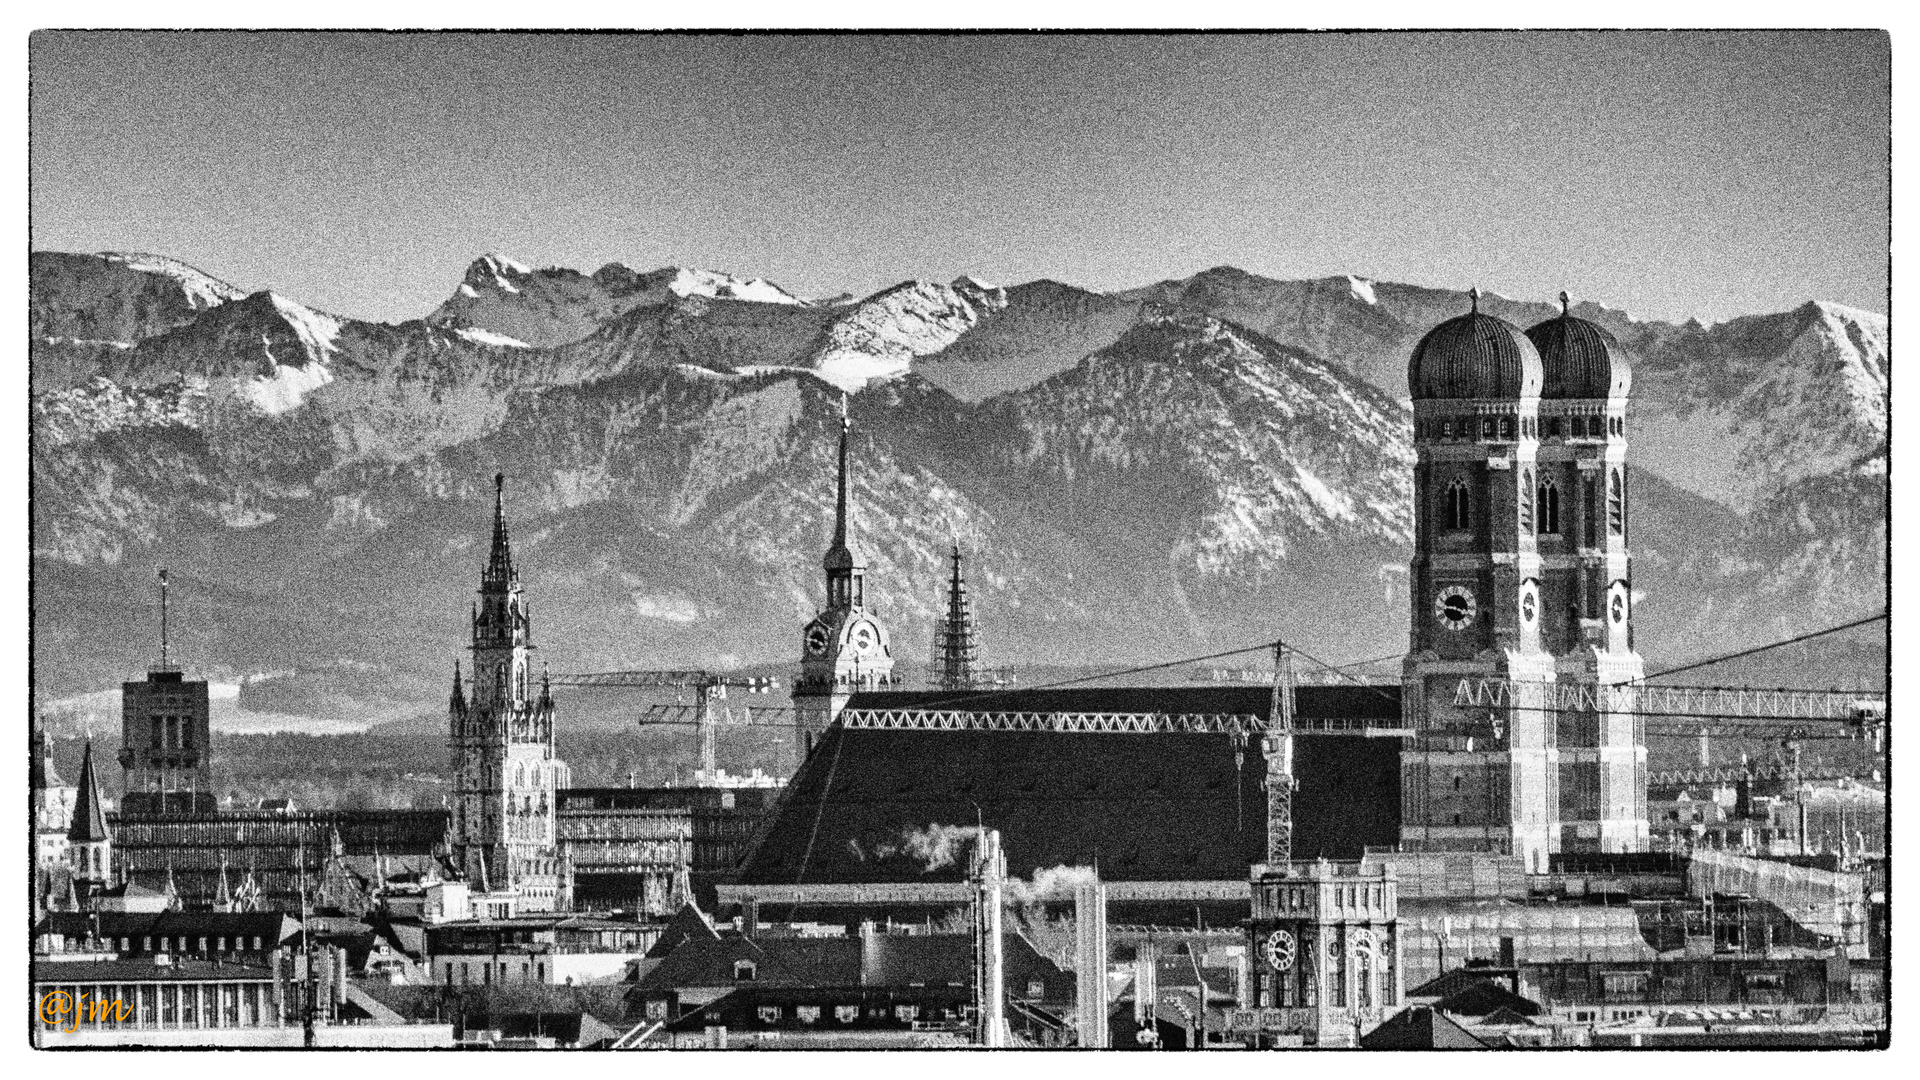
x=879, y=337
x=1362, y=290
x=488, y=337
x=203, y=290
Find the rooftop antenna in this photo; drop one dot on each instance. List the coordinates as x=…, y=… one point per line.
x=163, y=619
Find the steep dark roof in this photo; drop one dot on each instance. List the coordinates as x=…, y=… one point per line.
x=1420, y=1028
x=272, y=927
x=1474, y=356
x=687, y=924
x=89, y=817
x=874, y=960
x=1579, y=360
x=1155, y=807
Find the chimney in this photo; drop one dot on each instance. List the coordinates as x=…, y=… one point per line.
x=750, y=917
x=1090, y=964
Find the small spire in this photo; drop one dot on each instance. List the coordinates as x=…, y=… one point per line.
x=500, y=558
x=1565, y=303
x=459, y=699
x=1474, y=294
x=89, y=817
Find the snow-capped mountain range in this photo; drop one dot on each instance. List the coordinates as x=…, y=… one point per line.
x=1170, y=470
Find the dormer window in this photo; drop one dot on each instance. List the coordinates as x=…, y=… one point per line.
x=744, y=971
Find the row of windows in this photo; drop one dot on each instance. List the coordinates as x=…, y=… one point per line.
x=167, y=944
x=170, y=733
x=1504, y=428
x=192, y=1005
x=1540, y=506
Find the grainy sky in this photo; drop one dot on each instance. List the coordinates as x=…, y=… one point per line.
x=1673, y=174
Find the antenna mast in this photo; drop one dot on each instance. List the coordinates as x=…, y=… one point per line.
x=163, y=619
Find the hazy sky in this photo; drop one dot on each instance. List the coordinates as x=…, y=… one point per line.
x=1673, y=174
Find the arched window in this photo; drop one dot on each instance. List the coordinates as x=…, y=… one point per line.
x=499, y=681
x=1459, y=506
x=1549, y=508
x=1506, y=427
x=1616, y=504
x=1526, y=501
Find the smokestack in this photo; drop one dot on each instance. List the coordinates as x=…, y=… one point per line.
x=1090, y=964
x=992, y=890
x=750, y=917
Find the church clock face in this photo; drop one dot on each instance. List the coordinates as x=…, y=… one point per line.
x=1455, y=607
x=1529, y=604
x=817, y=640
x=864, y=639
x=1280, y=950
x=1617, y=607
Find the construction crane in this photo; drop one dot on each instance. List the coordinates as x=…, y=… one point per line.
x=707, y=687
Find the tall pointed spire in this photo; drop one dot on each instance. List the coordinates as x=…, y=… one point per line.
x=840, y=505
x=89, y=817
x=500, y=558
x=458, y=701
x=845, y=570
x=956, y=644
x=41, y=773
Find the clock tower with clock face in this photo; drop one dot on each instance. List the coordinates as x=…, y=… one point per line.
x=1325, y=946
x=1477, y=780
x=1520, y=575
x=844, y=648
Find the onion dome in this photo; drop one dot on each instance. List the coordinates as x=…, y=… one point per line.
x=1580, y=359
x=1474, y=356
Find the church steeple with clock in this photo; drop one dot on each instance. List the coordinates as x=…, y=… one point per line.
x=1519, y=533
x=845, y=648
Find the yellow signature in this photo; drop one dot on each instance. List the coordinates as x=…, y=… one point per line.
x=60, y=1005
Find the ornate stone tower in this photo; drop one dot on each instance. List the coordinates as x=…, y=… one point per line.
x=1477, y=780
x=1579, y=517
x=844, y=648
x=506, y=774
x=1325, y=939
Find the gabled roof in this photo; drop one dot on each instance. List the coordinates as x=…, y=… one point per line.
x=687, y=924
x=89, y=817
x=1144, y=807
x=1419, y=1027
x=1486, y=997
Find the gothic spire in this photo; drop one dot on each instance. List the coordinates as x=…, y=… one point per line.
x=956, y=643
x=500, y=558
x=458, y=702
x=89, y=817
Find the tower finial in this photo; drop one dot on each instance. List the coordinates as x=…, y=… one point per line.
x=500, y=558
x=1474, y=294
x=1565, y=302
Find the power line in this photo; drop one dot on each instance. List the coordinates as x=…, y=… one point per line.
x=1765, y=648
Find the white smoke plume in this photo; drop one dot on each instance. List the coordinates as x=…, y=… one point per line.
x=1049, y=883
x=935, y=847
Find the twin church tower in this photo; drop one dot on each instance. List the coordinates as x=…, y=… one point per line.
x=1520, y=574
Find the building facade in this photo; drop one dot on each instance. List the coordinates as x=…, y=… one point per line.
x=1326, y=942
x=506, y=775
x=166, y=745
x=1521, y=577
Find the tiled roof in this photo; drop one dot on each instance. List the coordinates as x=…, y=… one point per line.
x=271, y=926
x=1160, y=807
x=124, y=971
